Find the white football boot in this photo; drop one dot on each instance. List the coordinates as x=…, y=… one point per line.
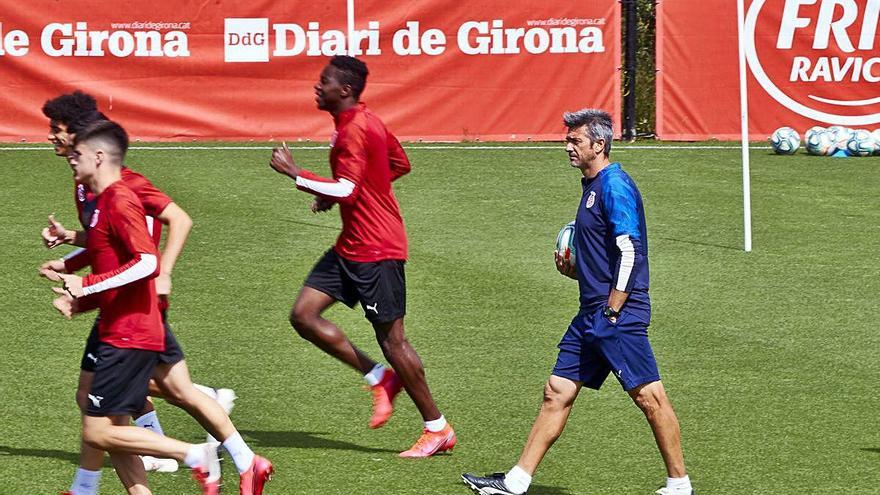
x=155, y=464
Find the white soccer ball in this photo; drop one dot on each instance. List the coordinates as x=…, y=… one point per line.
x=876, y=135
x=811, y=131
x=861, y=143
x=840, y=135
x=565, y=242
x=785, y=141
x=820, y=144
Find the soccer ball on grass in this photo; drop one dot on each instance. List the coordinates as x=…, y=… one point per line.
x=785, y=141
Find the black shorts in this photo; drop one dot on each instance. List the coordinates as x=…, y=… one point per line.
x=173, y=352
x=380, y=287
x=122, y=380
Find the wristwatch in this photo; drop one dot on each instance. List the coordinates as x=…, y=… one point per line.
x=608, y=312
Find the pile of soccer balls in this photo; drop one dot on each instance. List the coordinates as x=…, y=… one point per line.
x=826, y=142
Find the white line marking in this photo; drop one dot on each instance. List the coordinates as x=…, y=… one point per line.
x=416, y=147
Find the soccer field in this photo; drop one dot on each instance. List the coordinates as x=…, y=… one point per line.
x=771, y=358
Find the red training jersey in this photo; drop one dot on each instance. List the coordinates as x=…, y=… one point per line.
x=153, y=200
x=117, y=238
x=364, y=153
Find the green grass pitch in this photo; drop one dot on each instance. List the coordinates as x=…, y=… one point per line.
x=771, y=358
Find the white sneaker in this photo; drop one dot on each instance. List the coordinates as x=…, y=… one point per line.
x=226, y=398
x=159, y=465
x=667, y=491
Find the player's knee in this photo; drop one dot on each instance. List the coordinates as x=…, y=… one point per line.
x=393, y=342
x=94, y=438
x=172, y=394
x=555, y=398
x=650, y=400
x=303, y=322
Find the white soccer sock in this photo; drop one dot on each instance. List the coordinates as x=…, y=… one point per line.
x=436, y=424
x=241, y=454
x=375, y=375
x=679, y=485
x=151, y=422
x=85, y=482
x=517, y=480
x=210, y=392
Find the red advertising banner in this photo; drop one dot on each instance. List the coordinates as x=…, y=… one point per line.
x=224, y=70
x=811, y=62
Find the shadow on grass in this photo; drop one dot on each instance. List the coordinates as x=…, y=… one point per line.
x=310, y=224
x=304, y=440
x=877, y=450
x=547, y=490
x=72, y=457
x=533, y=490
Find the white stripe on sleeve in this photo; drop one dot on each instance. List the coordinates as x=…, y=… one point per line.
x=139, y=270
x=75, y=252
x=339, y=189
x=627, y=261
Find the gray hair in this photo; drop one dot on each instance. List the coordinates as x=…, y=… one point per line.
x=598, y=125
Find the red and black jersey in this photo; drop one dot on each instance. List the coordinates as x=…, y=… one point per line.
x=124, y=260
x=365, y=159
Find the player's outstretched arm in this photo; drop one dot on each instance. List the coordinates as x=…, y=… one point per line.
x=179, y=225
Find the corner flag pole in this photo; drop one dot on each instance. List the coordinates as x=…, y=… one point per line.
x=744, y=117
x=350, y=38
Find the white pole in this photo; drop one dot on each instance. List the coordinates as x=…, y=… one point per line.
x=744, y=117
x=350, y=39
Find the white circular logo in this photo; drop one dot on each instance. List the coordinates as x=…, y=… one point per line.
x=840, y=69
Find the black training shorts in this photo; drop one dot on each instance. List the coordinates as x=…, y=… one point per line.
x=122, y=380
x=173, y=352
x=380, y=287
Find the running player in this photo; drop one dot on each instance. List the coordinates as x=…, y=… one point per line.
x=172, y=376
x=124, y=261
x=367, y=263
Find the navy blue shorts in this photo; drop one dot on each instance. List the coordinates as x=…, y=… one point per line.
x=122, y=380
x=173, y=352
x=593, y=347
x=380, y=287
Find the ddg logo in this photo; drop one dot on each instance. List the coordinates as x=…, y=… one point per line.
x=818, y=58
x=246, y=40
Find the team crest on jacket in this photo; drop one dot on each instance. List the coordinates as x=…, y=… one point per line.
x=333, y=138
x=81, y=193
x=591, y=199
x=94, y=218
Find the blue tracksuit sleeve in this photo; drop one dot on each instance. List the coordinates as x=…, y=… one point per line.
x=621, y=208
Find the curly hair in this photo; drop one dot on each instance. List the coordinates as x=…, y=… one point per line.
x=75, y=110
